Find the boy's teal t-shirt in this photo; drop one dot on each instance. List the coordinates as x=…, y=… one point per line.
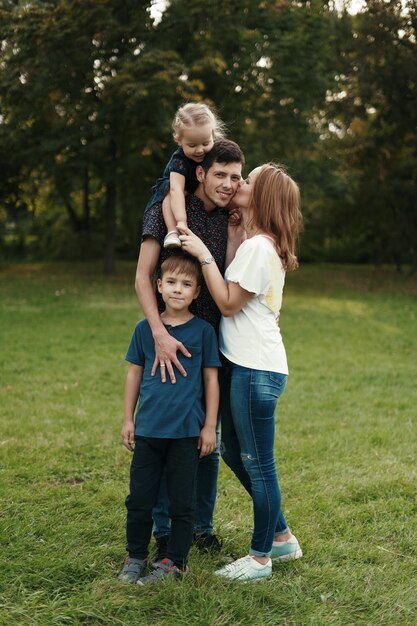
x=166, y=410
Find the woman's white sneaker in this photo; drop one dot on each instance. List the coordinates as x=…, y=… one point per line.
x=246, y=568
x=286, y=550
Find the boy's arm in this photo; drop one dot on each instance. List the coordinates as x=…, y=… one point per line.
x=207, y=440
x=165, y=345
x=177, y=198
x=132, y=387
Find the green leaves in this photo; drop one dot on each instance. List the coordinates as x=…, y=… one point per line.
x=93, y=86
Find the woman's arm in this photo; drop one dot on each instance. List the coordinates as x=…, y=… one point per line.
x=229, y=297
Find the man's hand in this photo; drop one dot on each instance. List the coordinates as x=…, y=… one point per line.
x=166, y=348
x=207, y=440
x=128, y=434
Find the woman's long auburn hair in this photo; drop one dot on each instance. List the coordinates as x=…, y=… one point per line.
x=275, y=209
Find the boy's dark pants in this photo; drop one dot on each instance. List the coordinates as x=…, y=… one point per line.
x=180, y=459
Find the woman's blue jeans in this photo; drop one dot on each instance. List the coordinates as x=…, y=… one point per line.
x=248, y=401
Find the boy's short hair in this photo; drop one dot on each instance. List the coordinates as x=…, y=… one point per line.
x=223, y=151
x=183, y=263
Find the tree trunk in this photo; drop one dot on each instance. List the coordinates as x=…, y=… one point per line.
x=75, y=221
x=86, y=200
x=110, y=216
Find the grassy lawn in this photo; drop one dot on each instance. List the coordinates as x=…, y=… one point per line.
x=346, y=453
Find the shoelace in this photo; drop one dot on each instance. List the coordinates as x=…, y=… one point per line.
x=235, y=566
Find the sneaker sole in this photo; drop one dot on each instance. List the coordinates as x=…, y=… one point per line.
x=244, y=580
x=288, y=557
x=255, y=580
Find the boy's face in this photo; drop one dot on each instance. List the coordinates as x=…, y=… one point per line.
x=178, y=290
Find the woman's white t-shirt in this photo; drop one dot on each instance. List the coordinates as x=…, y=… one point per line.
x=252, y=337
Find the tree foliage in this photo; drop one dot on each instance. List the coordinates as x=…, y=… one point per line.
x=88, y=91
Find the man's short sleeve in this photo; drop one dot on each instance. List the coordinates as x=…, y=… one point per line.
x=210, y=348
x=153, y=224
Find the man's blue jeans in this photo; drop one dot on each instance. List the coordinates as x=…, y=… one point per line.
x=248, y=401
x=206, y=491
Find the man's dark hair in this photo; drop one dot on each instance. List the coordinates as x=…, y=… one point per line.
x=223, y=151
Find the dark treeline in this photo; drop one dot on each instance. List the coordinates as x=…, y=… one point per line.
x=88, y=90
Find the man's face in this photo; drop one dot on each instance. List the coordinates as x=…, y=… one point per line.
x=219, y=184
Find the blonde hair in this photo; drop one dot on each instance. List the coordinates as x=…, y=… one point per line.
x=197, y=114
x=275, y=206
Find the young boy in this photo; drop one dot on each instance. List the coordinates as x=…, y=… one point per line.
x=175, y=423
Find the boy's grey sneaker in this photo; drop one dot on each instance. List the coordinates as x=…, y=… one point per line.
x=161, y=571
x=161, y=548
x=132, y=569
x=207, y=542
x=286, y=550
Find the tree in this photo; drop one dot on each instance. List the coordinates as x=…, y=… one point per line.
x=375, y=115
x=267, y=66
x=79, y=88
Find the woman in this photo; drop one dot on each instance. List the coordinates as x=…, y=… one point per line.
x=255, y=368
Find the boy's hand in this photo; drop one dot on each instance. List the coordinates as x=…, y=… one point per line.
x=207, y=440
x=128, y=435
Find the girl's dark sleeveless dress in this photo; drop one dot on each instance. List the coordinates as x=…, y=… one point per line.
x=182, y=165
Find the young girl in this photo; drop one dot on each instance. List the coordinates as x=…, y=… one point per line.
x=195, y=128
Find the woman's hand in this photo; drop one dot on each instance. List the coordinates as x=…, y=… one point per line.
x=193, y=245
x=236, y=228
x=235, y=217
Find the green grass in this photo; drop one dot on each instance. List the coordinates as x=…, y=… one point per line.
x=346, y=454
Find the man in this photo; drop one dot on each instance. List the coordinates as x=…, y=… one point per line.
x=219, y=176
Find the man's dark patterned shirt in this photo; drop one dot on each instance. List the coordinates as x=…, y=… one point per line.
x=211, y=227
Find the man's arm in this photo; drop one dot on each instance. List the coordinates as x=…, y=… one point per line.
x=207, y=440
x=165, y=345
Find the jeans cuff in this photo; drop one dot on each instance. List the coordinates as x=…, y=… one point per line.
x=253, y=552
x=282, y=532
